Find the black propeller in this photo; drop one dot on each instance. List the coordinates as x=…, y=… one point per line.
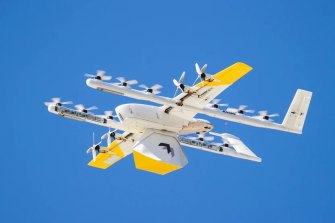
x=100, y=75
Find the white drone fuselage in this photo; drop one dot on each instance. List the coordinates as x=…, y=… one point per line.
x=139, y=117
x=136, y=118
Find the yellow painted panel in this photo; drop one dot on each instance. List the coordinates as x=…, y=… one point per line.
x=148, y=164
x=113, y=150
x=228, y=76
x=99, y=162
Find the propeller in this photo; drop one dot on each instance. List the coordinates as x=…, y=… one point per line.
x=109, y=115
x=201, y=72
x=263, y=115
x=224, y=143
x=93, y=149
x=81, y=107
x=58, y=102
x=202, y=137
x=179, y=84
x=109, y=136
x=153, y=89
x=124, y=82
x=215, y=104
x=240, y=110
x=100, y=75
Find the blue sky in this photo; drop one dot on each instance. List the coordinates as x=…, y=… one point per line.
x=47, y=46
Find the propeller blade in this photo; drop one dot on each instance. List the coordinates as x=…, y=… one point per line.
x=89, y=75
x=195, y=80
x=209, y=138
x=104, y=136
x=216, y=101
x=175, y=93
x=263, y=113
x=67, y=102
x=197, y=68
x=175, y=82
x=274, y=115
x=79, y=107
x=101, y=73
x=203, y=69
x=242, y=107
x=223, y=105
x=131, y=82
x=92, y=108
x=108, y=113
x=94, y=153
x=156, y=87
x=144, y=86
x=55, y=100
x=182, y=77
x=121, y=79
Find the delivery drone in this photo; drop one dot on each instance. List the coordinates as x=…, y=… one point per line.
x=154, y=134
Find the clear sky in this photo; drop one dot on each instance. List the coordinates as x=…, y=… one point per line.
x=47, y=46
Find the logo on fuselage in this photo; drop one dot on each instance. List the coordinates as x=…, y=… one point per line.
x=168, y=148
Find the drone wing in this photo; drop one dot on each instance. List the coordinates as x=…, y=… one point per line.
x=116, y=151
x=206, y=91
x=238, y=145
x=232, y=146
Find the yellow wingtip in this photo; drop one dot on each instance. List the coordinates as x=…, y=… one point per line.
x=228, y=75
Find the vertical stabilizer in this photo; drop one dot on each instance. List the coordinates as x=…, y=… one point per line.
x=296, y=114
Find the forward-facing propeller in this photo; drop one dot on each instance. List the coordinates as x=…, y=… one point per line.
x=153, y=89
x=240, y=110
x=112, y=135
x=179, y=84
x=202, y=137
x=100, y=75
x=81, y=107
x=123, y=82
x=263, y=115
x=201, y=72
x=94, y=149
x=215, y=104
x=109, y=115
x=109, y=136
x=58, y=102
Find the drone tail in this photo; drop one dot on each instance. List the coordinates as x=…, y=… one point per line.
x=297, y=112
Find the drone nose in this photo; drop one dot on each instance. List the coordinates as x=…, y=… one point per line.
x=88, y=81
x=51, y=108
